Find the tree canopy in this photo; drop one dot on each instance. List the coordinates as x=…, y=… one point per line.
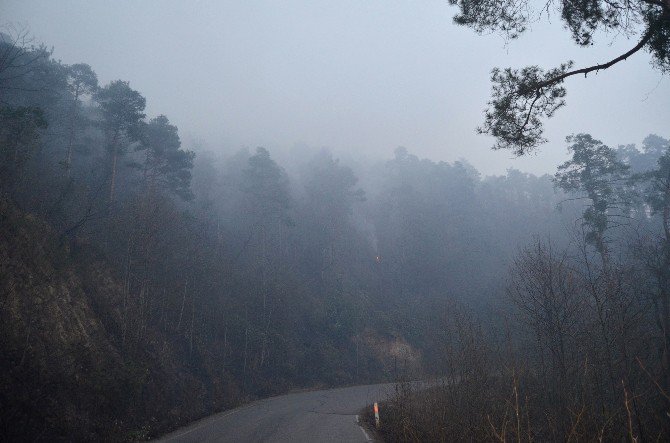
x=522, y=99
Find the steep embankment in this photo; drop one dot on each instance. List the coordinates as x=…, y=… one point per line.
x=63, y=371
x=53, y=345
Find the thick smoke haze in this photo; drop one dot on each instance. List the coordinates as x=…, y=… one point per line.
x=261, y=221
x=362, y=77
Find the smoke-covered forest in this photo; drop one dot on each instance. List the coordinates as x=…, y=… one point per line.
x=148, y=281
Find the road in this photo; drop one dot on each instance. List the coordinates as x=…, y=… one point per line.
x=316, y=416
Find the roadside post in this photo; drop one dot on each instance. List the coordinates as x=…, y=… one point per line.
x=376, y=409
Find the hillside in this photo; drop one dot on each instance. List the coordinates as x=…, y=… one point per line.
x=64, y=372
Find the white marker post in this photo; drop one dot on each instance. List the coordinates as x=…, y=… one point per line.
x=376, y=409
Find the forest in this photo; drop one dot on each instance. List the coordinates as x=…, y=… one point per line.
x=146, y=283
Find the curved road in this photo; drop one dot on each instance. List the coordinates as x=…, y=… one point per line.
x=316, y=416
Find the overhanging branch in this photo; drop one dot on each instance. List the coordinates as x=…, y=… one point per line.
x=647, y=36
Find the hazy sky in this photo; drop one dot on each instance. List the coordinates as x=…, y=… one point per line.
x=362, y=76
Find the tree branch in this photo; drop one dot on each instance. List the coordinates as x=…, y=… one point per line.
x=530, y=110
x=647, y=36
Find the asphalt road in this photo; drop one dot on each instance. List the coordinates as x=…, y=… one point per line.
x=316, y=416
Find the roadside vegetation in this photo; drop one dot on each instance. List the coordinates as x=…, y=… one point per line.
x=578, y=350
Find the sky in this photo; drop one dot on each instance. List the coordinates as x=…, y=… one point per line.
x=358, y=77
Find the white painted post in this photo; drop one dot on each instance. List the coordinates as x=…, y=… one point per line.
x=376, y=409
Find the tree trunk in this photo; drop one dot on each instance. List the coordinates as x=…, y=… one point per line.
x=246, y=342
x=115, y=154
x=73, y=116
x=190, y=340
x=666, y=219
x=183, y=301
x=126, y=290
